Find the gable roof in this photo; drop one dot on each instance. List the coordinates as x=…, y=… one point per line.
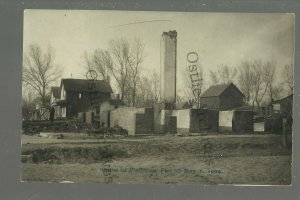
x=55, y=91
x=217, y=90
x=83, y=85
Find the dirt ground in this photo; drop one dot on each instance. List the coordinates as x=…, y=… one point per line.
x=229, y=159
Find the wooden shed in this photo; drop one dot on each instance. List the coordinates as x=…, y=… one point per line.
x=222, y=97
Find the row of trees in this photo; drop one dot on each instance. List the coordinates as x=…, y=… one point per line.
x=122, y=64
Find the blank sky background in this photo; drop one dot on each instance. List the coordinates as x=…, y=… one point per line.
x=218, y=38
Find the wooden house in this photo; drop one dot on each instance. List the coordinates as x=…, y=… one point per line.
x=79, y=95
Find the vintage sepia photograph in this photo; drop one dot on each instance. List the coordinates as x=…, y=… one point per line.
x=147, y=97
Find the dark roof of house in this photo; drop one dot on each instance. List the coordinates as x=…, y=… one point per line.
x=283, y=99
x=56, y=92
x=83, y=85
x=217, y=90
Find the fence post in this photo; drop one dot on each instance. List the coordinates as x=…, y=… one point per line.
x=284, y=132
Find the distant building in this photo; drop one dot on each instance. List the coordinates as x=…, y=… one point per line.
x=222, y=97
x=79, y=95
x=280, y=109
x=283, y=106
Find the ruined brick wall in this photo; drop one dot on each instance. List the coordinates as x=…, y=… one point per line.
x=243, y=121
x=157, y=118
x=171, y=124
x=105, y=108
x=134, y=120
x=188, y=120
x=164, y=118
x=160, y=113
x=183, y=120
x=144, y=121
x=225, y=120
x=213, y=120
x=202, y=120
x=125, y=118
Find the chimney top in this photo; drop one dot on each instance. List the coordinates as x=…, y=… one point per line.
x=171, y=34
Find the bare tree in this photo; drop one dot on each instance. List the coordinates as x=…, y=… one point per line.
x=40, y=71
x=155, y=86
x=27, y=102
x=100, y=61
x=145, y=95
x=268, y=75
x=245, y=80
x=119, y=51
x=125, y=66
x=254, y=80
x=288, y=73
x=135, y=60
x=123, y=61
x=223, y=75
x=259, y=85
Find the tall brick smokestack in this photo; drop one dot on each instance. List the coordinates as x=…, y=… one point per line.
x=168, y=56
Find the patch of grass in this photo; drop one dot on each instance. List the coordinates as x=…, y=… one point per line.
x=75, y=154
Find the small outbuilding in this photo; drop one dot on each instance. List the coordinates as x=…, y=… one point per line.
x=222, y=97
x=283, y=106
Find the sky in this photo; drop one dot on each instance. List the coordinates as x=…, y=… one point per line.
x=218, y=38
